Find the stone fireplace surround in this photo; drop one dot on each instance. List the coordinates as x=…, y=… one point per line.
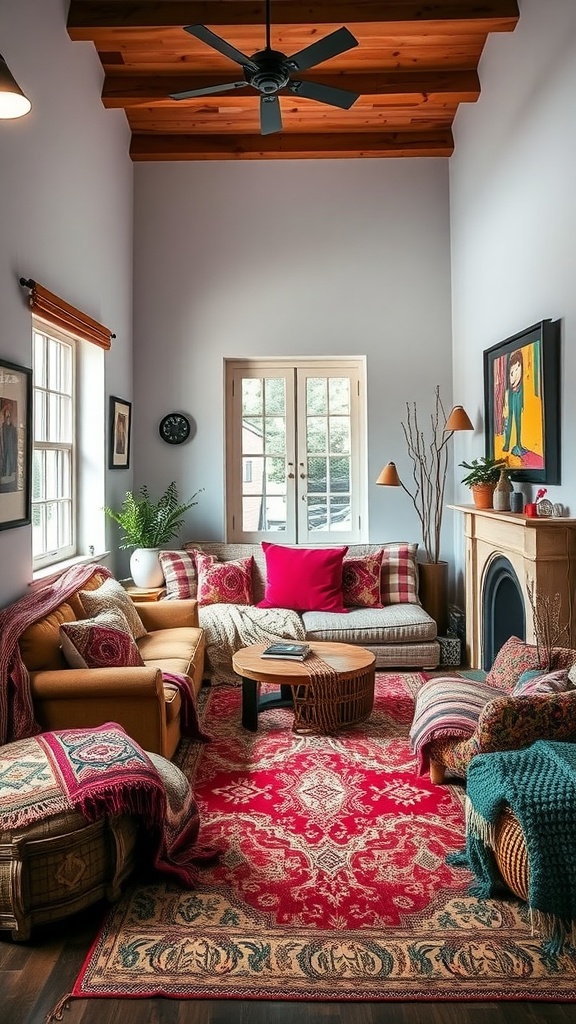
x=538, y=549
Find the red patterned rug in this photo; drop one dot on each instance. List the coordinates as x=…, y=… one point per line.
x=333, y=884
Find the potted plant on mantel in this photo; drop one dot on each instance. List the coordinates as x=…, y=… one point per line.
x=482, y=478
x=146, y=525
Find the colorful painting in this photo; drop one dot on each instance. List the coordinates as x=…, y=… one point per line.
x=521, y=393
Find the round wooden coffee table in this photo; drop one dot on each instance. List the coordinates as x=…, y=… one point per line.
x=342, y=695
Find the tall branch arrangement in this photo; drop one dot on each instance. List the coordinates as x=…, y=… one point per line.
x=548, y=630
x=429, y=456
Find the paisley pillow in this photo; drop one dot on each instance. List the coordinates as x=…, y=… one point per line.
x=361, y=581
x=223, y=582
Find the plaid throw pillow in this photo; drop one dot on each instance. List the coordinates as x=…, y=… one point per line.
x=179, y=574
x=399, y=581
x=361, y=581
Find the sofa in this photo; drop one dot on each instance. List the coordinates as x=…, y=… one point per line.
x=136, y=697
x=400, y=634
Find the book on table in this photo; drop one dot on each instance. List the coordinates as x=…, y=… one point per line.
x=287, y=651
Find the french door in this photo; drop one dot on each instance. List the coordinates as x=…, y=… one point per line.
x=295, y=451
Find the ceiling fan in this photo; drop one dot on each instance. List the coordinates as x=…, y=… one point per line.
x=270, y=71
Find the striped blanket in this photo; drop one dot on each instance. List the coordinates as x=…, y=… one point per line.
x=447, y=706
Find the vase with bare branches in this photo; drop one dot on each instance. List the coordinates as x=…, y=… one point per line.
x=549, y=631
x=428, y=452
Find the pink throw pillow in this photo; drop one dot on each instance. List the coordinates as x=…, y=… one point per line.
x=179, y=574
x=399, y=574
x=102, y=642
x=303, y=579
x=223, y=582
x=361, y=581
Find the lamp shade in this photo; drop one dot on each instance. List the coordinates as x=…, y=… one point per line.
x=13, y=102
x=459, y=419
x=389, y=476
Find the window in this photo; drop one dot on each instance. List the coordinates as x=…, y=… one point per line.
x=296, y=450
x=53, y=461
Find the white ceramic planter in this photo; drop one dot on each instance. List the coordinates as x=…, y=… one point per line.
x=145, y=567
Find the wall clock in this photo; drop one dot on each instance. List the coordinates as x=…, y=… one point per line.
x=174, y=428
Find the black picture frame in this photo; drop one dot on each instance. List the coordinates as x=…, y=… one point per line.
x=15, y=445
x=120, y=432
x=522, y=411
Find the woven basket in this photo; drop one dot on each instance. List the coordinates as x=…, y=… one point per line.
x=324, y=709
x=510, y=853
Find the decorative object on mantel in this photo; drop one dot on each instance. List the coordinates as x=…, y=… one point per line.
x=544, y=506
x=482, y=478
x=147, y=525
x=429, y=458
x=516, y=501
x=503, y=491
x=548, y=631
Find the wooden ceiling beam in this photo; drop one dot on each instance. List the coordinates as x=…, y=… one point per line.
x=291, y=146
x=393, y=87
x=96, y=20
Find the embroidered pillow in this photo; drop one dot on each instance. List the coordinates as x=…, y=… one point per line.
x=361, y=581
x=179, y=574
x=534, y=682
x=303, y=579
x=112, y=595
x=513, y=658
x=399, y=582
x=102, y=642
x=223, y=582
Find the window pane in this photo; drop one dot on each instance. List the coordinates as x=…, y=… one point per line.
x=339, y=396
x=38, y=488
x=339, y=434
x=251, y=397
x=39, y=361
x=316, y=434
x=64, y=524
x=51, y=526
x=275, y=396
x=53, y=363
x=317, y=469
x=40, y=424
x=316, y=395
x=340, y=518
x=275, y=435
x=339, y=475
x=38, y=546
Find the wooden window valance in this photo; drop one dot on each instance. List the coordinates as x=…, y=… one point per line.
x=55, y=311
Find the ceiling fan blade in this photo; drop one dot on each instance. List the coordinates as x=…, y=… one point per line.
x=208, y=90
x=337, y=42
x=324, y=94
x=270, y=115
x=217, y=43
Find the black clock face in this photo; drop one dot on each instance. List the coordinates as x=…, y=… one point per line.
x=174, y=428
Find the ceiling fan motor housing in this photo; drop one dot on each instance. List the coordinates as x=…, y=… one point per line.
x=272, y=74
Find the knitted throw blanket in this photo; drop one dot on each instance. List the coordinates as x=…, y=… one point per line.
x=101, y=772
x=16, y=711
x=539, y=784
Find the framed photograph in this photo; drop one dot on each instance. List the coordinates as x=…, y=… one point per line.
x=522, y=403
x=120, y=427
x=15, y=445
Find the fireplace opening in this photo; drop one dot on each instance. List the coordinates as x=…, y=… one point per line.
x=503, y=612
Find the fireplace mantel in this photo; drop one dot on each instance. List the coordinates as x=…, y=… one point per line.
x=539, y=549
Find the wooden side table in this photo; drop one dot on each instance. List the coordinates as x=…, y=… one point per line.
x=143, y=593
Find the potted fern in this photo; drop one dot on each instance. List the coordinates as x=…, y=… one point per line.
x=146, y=525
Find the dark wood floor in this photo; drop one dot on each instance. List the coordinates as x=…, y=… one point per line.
x=36, y=974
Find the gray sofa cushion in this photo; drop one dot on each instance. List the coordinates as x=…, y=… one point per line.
x=394, y=624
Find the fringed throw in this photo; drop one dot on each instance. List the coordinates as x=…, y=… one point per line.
x=539, y=785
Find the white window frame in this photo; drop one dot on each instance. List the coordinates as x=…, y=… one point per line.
x=295, y=372
x=46, y=331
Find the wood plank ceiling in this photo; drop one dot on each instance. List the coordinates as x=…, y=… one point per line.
x=414, y=64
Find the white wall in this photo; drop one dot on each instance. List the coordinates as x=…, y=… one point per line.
x=287, y=258
x=65, y=212
x=513, y=215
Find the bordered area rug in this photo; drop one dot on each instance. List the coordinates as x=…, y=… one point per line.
x=333, y=884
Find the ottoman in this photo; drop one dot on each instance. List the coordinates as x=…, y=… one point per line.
x=53, y=868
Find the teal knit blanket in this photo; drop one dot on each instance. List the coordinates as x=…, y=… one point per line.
x=539, y=784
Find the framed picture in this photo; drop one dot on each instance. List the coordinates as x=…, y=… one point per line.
x=120, y=427
x=15, y=445
x=522, y=403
